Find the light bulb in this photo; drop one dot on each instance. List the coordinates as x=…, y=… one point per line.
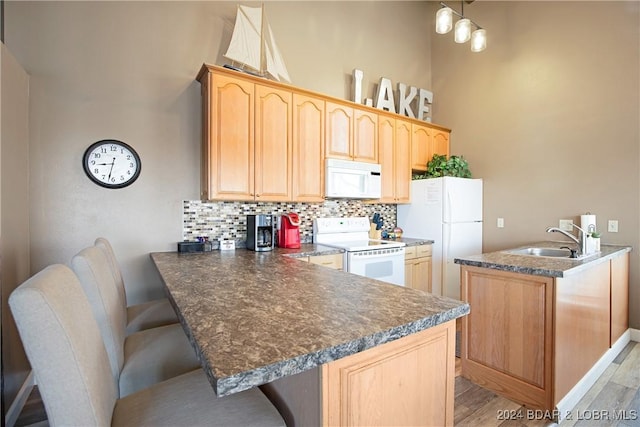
x=478, y=40
x=463, y=31
x=444, y=20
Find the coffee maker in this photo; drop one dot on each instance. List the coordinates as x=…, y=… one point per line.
x=260, y=232
x=289, y=230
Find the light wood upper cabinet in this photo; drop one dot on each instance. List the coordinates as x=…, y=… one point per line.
x=394, y=142
x=351, y=135
x=425, y=142
x=365, y=138
x=339, y=134
x=268, y=141
x=308, y=148
x=273, y=148
x=247, y=149
x=229, y=139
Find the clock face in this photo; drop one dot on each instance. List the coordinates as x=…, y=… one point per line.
x=111, y=164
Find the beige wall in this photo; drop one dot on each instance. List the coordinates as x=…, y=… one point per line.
x=126, y=70
x=549, y=117
x=14, y=213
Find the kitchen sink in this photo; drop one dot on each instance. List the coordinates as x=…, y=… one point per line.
x=542, y=252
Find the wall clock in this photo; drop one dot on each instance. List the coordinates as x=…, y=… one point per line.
x=111, y=163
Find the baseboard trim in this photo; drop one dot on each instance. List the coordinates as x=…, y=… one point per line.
x=18, y=403
x=572, y=398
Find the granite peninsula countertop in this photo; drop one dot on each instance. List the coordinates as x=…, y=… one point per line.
x=541, y=266
x=254, y=317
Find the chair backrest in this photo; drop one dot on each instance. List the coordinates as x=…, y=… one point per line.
x=92, y=268
x=65, y=348
x=106, y=247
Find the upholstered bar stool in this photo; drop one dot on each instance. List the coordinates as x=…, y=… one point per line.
x=140, y=359
x=65, y=348
x=150, y=314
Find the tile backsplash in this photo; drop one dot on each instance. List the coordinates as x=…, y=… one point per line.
x=228, y=221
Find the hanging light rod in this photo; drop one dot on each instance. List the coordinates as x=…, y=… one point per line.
x=462, y=33
x=460, y=15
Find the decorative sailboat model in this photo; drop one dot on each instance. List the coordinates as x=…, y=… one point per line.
x=253, y=46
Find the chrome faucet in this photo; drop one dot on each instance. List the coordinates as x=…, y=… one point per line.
x=581, y=240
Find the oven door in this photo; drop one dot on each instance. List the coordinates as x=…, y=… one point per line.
x=381, y=264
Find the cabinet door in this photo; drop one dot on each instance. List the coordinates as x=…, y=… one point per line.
x=231, y=151
x=386, y=144
x=402, y=162
x=308, y=149
x=332, y=261
x=273, y=144
x=408, y=272
x=339, y=131
x=439, y=143
x=422, y=274
x=365, y=137
x=420, y=147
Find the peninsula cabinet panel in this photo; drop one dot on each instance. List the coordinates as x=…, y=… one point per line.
x=394, y=142
x=582, y=332
x=230, y=139
x=308, y=148
x=507, y=337
x=273, y=148
x=619, y=297
x=405, y=382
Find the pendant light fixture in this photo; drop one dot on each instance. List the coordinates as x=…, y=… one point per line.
x=462, y=32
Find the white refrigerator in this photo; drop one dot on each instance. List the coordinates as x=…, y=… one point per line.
x=448, y=211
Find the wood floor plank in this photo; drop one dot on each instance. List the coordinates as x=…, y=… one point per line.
x=625, y=351
x=489, y=415
x=606, y=408
x=591, y=395
x=628, y=374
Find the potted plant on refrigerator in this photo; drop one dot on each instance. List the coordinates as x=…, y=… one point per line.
x=440, y=166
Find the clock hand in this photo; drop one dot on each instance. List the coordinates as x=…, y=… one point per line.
x=113, y=162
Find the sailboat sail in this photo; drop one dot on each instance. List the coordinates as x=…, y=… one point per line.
x=253, y=45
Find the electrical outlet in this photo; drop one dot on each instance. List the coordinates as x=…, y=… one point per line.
x=565, y=224
x=613, y=226
x=500, y=223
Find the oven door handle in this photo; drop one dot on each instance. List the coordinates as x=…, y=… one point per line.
x=378, y=253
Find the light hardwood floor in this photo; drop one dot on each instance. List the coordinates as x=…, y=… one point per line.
x=616, y=394
x=617, y=391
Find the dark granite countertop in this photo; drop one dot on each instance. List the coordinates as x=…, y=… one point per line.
x=254, y=317
x=411, y=241
x=309, y=249
x=541, y=266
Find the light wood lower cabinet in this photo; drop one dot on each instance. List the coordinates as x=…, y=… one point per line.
x=409, y=381
x=417, y=267
x=533, y=338
x=334, y=261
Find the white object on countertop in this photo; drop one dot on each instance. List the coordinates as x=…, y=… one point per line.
x=227, y=245
x=587, y=220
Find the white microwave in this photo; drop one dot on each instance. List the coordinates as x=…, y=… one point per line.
x=353, y=180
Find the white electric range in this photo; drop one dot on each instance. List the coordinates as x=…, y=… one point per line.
x=378, y=259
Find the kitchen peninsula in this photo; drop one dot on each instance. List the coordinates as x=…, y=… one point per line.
x=327, y=347
x=543, y=328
